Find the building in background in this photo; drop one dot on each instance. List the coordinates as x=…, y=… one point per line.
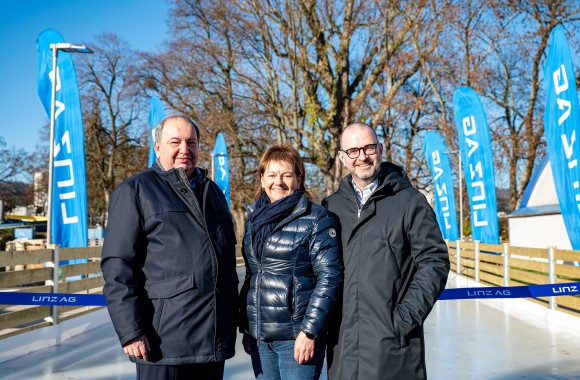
x=538, y=223
x=40, y=196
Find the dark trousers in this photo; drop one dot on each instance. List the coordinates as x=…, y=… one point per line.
x=201, y=371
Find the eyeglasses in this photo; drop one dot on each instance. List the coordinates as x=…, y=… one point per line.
x=355, y=152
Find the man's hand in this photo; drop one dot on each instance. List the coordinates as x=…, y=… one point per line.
x=137, y=348
x=303, y=348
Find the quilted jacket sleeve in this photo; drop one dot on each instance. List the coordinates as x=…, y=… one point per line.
x=327, y=266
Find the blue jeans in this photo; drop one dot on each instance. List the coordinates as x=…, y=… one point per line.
x=274, y=360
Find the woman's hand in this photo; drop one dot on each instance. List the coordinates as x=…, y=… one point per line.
x=303, y=348
x=246, y=342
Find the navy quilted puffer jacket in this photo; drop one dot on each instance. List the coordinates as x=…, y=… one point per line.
x=293, y=286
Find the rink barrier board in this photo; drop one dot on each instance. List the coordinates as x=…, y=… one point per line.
x=504, y=265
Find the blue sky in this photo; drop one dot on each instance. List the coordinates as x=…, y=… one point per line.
x=142, y=23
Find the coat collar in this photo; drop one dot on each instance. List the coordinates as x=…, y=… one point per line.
x=392, y=179
x=175, y=175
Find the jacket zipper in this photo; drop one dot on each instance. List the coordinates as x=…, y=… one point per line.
x=258, y=282
x=285, y=221
x=214, y=256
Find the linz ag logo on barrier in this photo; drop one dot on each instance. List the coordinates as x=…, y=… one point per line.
x=53, y=299
x=488, y=293
x=565, y=289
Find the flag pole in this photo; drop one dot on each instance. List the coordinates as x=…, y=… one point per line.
x=70, y=48
x=55, y=77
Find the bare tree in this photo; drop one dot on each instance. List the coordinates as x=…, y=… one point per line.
x=115, y=146
x=292, y=72
x=297, y=72
x=15, y=189
x=497, y=48
x=13, y=163
x=516, y=88
x=339, y=53
x=200, y=75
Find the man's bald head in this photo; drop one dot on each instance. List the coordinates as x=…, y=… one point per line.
x=361, y=153
x=355, y=128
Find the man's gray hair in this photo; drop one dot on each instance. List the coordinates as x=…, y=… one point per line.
x=159, y=127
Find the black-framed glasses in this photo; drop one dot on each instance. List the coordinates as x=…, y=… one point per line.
x=353, y=153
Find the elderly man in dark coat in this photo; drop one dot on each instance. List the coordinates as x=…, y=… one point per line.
x=395, y=266
x=169, y=263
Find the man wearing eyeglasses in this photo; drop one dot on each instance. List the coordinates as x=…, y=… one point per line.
x=395, y=266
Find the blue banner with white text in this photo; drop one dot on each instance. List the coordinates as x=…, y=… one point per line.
x=561, y=122
x=438, y=162
x=69, y=198
x=156, y=114
x=478, y=168
x=487, y=292
x=220, y=162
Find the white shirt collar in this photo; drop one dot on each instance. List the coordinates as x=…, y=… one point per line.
x=363, y=195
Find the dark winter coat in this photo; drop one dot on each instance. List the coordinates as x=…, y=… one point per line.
x=395, y=267
x=293, y=286
x=169, y=268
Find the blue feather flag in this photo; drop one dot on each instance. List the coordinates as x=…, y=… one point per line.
x=156, y=114
x=561, y=122
x=220, y=161
x=69, y=190
x=478, y=168
x=438, y=162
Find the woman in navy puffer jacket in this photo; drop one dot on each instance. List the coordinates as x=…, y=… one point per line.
x=293, y=272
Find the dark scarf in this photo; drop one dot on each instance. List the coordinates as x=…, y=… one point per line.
x=267, y=215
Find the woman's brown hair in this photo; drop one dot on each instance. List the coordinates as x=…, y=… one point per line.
x=285, y=154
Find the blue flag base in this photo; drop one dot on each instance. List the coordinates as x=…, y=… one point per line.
x=526, y=291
